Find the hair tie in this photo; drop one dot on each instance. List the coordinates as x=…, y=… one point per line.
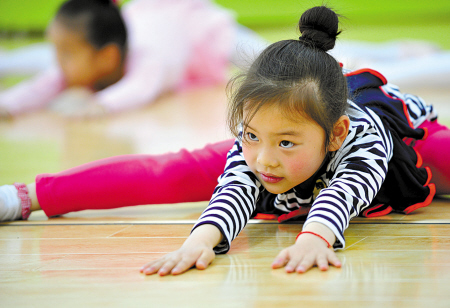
x=306, y=40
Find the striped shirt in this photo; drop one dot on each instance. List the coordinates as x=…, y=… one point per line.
x=352, y=177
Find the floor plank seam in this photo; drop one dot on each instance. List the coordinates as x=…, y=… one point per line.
x=194, y=221
x=119, y=231
x=355, y=243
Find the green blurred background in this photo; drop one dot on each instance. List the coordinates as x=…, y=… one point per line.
x=376, y=21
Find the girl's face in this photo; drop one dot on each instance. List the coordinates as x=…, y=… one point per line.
x=77, y=58
x=280, y=152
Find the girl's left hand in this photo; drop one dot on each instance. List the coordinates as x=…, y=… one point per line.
x=91, y=111
x=309, y=250
x=78, y=103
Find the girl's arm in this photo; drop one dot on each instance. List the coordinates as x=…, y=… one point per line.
x=360, y=167
x=234, y=199
x=228, y=212
x=32, y=94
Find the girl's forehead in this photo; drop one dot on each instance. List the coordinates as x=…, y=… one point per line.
x=275, y=119
x=276, y=112
x=65, y=37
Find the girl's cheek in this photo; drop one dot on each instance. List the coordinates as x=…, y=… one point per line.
x=248, y=156
x=298, y=163
x=296, y=167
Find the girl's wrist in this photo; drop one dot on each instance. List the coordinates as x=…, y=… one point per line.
x=315, y=234
x=207, y=234
x=320, y=231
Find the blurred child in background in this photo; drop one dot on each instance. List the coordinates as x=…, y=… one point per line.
x=109, y=62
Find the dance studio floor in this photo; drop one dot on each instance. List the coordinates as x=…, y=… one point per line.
x=92, y=258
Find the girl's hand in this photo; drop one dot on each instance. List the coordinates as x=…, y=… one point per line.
x=181, y=260
x=78, y=103
x=91, y=111
x=309, y=250
x=197, y=250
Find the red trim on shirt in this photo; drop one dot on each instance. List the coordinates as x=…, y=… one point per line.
x=422, y=204
x=367, y=213
x=425, y=135
x=368, y=70
x=265, y=216
x=405, y=108
x=419, y=159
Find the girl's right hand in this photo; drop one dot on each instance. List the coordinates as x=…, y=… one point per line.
x=181, y=260
x=197, y=250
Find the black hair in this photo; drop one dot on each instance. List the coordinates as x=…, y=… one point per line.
x=299, y=76
x=101, y=19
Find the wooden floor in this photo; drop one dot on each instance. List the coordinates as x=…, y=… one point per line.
x=92, y=258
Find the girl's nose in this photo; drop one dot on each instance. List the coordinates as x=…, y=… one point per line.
x=267, y=158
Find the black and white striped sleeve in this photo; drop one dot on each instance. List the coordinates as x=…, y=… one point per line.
x=360, y=167
x=234, y=199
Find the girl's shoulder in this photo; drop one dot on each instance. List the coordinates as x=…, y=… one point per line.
x=367, y=139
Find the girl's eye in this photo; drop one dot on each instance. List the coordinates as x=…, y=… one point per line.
x=252, y=137
x=286, y=144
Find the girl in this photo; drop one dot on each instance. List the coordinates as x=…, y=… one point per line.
x=302, y=148
x=127, y=62
x=297, y=133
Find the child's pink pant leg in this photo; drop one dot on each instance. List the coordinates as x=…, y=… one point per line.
x=435, y=152
x=133, y=180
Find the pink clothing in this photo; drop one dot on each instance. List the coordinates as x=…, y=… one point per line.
x=175, y=177
x=133, y=180
x=172, y=44
x=33, y=94
x=434, y=150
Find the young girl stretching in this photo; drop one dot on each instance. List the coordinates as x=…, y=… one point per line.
x=302, y=149
x=297, y=132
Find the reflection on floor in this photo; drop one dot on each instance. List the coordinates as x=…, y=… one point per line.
x=92, y=258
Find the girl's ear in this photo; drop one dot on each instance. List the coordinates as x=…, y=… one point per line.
x=109, y=58
x=340, y=132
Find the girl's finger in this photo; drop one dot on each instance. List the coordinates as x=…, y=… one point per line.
x=167, y=267
x=305, y=265
x=292, y=264
x=334, y=260
x=152, y=267
x=281, y=259
x=322, y=263
x=205, y=259
x=183, y=265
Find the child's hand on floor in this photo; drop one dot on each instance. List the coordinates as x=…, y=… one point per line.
x=181, y=260
x=196, y=251
x=308, y=250
x=78, y=103
x=91, y=111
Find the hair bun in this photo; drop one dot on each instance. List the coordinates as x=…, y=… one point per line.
x=106, y=2
x=319, y=26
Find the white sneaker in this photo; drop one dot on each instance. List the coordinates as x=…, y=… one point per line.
x=10, y=203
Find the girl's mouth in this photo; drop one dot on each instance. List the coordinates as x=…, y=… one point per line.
x=270, y=178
